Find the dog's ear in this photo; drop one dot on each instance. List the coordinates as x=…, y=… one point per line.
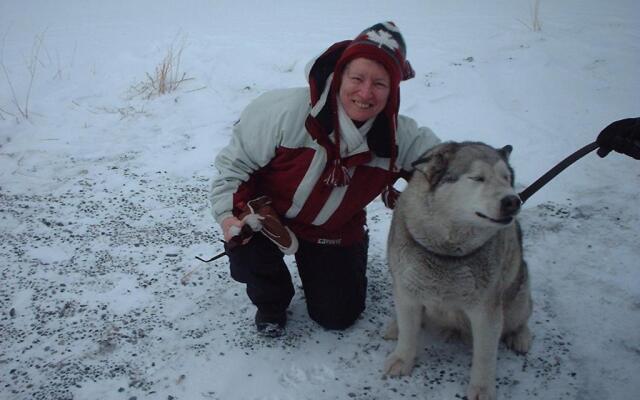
x=433, y=165
x=506, y=151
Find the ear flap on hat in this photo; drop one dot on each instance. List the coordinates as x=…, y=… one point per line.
x=322, y=67
x=407, y=71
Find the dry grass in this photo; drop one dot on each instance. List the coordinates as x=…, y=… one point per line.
x=167, y=76
x=22, y=103
x=124, y=112
x=535, y=24
x=4, y=112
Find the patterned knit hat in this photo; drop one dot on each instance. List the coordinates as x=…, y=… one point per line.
x=382, y=43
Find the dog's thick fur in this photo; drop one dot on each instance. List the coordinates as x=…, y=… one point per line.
x=455, y=255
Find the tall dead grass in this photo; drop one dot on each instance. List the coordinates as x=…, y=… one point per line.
x=21, y=101
x=167, y=76
x=536, y=26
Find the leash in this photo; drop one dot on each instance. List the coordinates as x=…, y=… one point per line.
x=185, y=279
x=553, y=172
x=224, y=253
x=245, y=233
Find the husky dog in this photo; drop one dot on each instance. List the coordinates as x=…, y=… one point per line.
x=455, y=255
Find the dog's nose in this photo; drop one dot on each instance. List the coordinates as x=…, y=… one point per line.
x=510, y=205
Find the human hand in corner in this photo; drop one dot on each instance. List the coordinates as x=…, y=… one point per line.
x=622, y=136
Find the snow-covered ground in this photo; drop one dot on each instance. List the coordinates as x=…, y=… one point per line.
x=103, y=196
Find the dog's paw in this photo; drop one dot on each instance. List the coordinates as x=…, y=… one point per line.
x=481, y=392
x=396, y=365
x=391, y=331
x=520, y=341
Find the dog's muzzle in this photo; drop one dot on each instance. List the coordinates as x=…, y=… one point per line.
x=510, y=205
x=509, y=208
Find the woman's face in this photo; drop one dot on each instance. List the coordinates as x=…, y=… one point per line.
x=364, y=89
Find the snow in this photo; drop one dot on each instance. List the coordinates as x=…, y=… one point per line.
x=103, y=196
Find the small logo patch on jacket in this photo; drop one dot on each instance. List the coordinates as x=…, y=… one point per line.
x=329, y=241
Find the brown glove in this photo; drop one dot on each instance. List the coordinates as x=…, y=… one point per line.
x=269, y=224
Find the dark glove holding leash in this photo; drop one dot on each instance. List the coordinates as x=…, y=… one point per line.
x=622, y=136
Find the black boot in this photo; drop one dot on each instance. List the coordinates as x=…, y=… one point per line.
x=271, y=325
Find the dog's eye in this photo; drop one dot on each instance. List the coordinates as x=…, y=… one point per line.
x=449, y=179
x=477, y=178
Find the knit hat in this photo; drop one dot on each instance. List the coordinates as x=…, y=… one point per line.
x=384, y=44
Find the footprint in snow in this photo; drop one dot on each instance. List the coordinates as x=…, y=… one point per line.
x=314, y=374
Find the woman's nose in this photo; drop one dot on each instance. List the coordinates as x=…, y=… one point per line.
x=366, y=89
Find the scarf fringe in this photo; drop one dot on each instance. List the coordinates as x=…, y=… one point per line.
x=338, y=175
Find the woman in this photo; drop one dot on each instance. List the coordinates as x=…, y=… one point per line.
x=321, y=154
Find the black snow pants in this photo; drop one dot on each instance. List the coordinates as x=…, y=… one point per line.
x=333, y=278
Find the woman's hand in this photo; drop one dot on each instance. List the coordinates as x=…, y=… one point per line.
x=231, y=227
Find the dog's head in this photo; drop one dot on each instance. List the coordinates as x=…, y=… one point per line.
x=471, y=180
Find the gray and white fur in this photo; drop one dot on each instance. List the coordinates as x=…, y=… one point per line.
x=455, y=256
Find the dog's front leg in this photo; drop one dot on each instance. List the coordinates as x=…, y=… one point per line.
x=408, y=316
x=486, y=328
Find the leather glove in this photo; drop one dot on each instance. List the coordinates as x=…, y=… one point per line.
x=261, y=217
x=622, y=136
